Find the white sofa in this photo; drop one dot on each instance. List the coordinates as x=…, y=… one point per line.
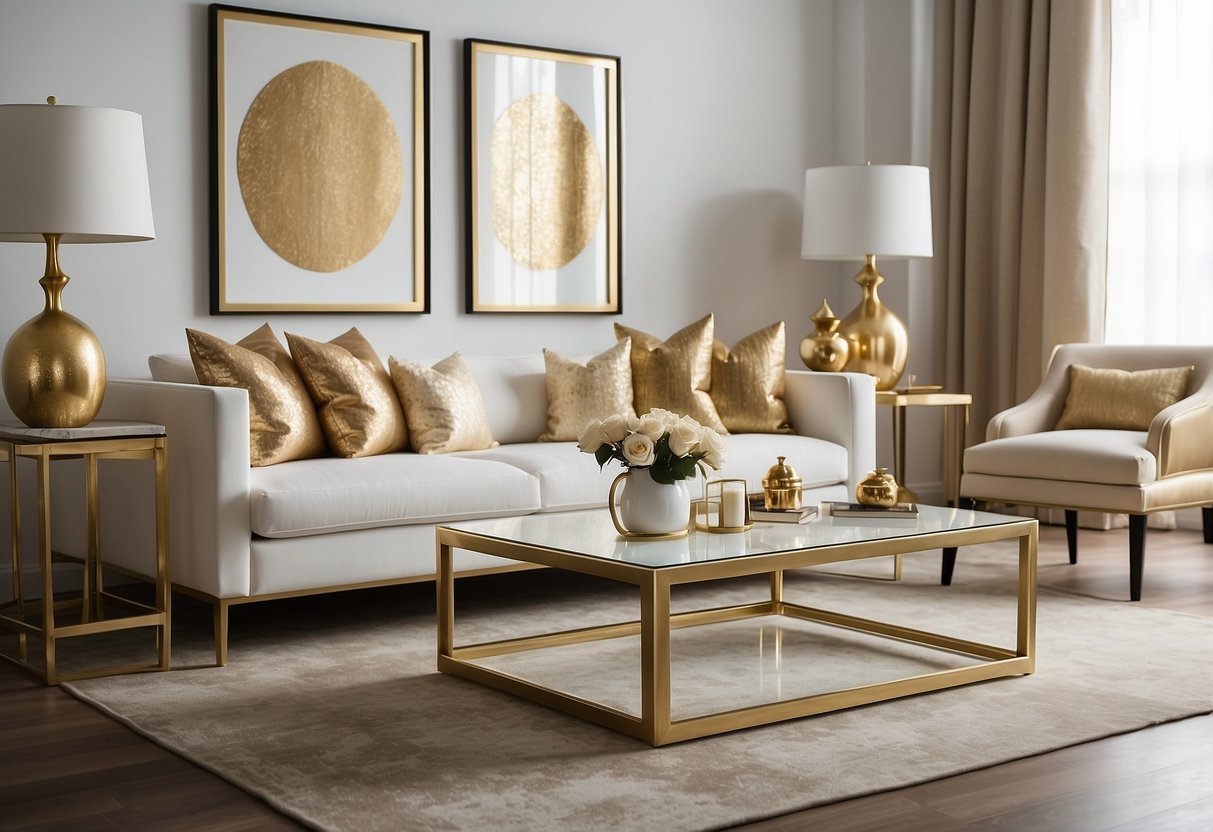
x=241, y=534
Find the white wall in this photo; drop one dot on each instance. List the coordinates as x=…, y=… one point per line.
x=725, y=103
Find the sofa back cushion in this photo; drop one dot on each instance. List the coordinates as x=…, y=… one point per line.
x=515, y=395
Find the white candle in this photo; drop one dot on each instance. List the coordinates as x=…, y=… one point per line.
x=734, y=508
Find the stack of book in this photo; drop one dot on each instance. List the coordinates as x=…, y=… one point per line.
x=759, y=513
x=903, y=511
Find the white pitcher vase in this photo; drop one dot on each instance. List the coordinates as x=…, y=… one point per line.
x=647, y=508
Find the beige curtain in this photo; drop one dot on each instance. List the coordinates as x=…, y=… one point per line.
x=1019, y=170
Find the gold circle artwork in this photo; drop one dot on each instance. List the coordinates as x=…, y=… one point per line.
x=547, y=182
x=319, y=166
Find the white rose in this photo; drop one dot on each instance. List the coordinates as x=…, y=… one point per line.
x=684, y=436
x=638, y=450
x=615, y=428
x=666, y=418
x=592, y=437
x=650, y=425
x=712, y=446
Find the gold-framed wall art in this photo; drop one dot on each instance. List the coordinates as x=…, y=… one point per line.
x=543, y=166
x=319, y=185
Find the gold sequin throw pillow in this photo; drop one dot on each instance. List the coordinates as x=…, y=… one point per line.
x=674, y=374
x=282, y=420
x=1120, y=399
x=354, y=397
x=442, y=406
x=747, y=382
x=578, y=393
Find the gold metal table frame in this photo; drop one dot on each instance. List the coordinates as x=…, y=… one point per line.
x=654, y=724
x=954, y=425
x=91, y=444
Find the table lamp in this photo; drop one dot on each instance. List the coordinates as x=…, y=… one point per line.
x=67, y=175
x=861, y=212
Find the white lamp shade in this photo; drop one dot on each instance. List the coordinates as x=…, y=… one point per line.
x=855, y=210
x=77, y=171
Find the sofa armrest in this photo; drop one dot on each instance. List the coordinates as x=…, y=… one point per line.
x=837, y=407
x=208, y=461
x=1179, y=435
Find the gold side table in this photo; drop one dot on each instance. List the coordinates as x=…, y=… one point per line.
x=955, y=421
x=99, y=611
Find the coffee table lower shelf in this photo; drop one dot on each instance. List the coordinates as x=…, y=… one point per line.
x=654, y=725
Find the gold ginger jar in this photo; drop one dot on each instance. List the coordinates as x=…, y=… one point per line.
x=781, y=487
x=826, y=350
x=878, y=489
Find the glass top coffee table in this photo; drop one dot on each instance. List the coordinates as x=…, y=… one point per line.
x=586, y=542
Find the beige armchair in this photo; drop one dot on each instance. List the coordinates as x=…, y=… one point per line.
x=1025, y=461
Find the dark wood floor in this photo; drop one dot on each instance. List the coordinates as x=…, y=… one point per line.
x=65, y=766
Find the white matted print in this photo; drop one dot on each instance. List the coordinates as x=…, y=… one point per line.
x=544, y=179
x=319, y=165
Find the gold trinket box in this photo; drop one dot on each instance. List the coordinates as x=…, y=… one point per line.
x=781, y=487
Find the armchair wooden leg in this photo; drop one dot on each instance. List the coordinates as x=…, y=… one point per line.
x=948, y=564
x=1137, y=553
x=1072, y=534
x=1206, y=516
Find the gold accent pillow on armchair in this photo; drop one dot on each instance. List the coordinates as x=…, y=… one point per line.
x=674, y=374
x=282, y=419
x=357, y=404
x=578, y=393
x=1120, y=399
x=747, y=382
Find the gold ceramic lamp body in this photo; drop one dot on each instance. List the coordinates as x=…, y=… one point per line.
x=54, y=369
x=879, y=343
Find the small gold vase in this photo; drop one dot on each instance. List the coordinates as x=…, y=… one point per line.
x=781, y=487
x=878, y=489
x=825, y=351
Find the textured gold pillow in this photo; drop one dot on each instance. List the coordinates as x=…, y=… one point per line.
x=578, y=393
x=675, y=374
x=282, y=420
x=357, y=405
x=442, y=405
x=747, y=382
x=1120, y=399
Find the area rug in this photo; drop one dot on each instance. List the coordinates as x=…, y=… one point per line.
x=332, y=712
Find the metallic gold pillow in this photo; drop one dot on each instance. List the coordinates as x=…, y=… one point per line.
x=442, y=405
x=747, y=382
x=282, y=420
x=1120, y=399
x=354, y=397
x=578, y=393
x=675, y=374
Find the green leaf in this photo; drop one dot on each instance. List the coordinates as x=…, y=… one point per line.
x=662, y=475
x=604, y=454
x=684, y=468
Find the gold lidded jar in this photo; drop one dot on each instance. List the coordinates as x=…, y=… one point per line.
x=781, y=487
x=878, y=489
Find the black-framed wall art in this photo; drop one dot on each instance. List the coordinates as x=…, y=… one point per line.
x=544, y=179
x=319, y=164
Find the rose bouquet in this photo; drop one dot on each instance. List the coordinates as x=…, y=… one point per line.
x=669, y=446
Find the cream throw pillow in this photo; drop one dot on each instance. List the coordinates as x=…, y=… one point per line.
x=442, y=406
x=747, y=382
x=357, y=404
x=282, y=420
x=674, y=374
x=578, y=393
x=1119, y=399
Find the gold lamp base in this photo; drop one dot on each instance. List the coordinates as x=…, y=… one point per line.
x=53, y=367
x=879, y=344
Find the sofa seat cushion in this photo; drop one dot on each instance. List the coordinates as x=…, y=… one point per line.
x=318, y=496
x=568, y=479
x=1113, y=457
x=750, y=455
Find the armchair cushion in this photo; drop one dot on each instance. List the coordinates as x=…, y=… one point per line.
x=1112, y=457
x=1120, y=399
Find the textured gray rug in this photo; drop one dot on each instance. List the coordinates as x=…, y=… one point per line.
x=332, y=712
